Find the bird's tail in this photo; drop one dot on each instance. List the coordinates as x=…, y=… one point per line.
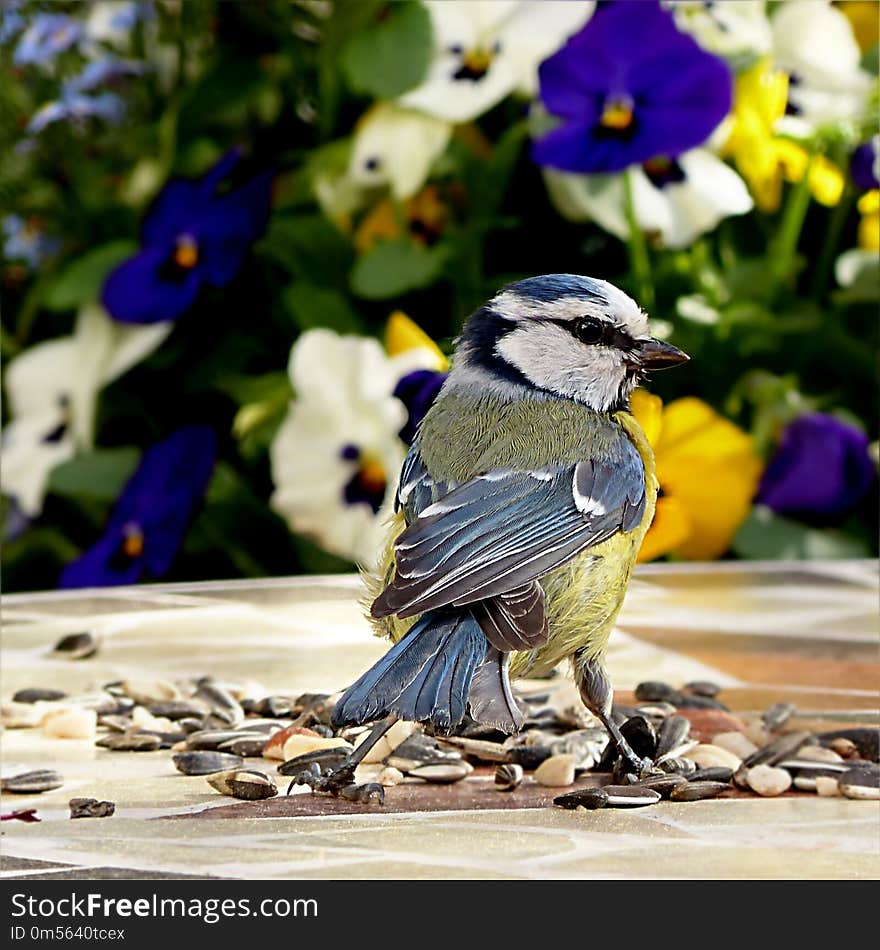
x=425, y=677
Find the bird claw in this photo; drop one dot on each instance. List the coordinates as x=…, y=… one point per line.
x=339, y=782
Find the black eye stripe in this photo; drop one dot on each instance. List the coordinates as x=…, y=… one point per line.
x=595, y=332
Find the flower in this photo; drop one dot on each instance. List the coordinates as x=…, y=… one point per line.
x=821, y=468
x=336, y=457
x=100, y=71
x=762, y=157
x=424, y=219
x=733, y=30
x=74, y=107
x=864, y=165
x=12, y=22
x=48, y=35
x=151, y=516
x=396, y=147
x=195, y=233
x=629, y=87
x=814, y=42
x=26, y=241
x=486, y=49
x=675, y=200
x=111, y=21
x=52, y=389
x=864, y=18
x=869, y=226
x=708, y=471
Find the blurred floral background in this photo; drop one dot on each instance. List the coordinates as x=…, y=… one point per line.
x=238, y=239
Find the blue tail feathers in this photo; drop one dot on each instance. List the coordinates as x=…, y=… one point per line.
x=425, y=677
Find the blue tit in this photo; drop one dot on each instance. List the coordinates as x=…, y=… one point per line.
x=520, y=510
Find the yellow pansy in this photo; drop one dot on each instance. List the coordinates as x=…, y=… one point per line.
x=869, y=226
x=864, y=18
x=402, y=335
x=708, y=472
x=763, y=158
x=423, y=218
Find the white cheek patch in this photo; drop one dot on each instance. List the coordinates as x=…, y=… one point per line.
x=551, y=358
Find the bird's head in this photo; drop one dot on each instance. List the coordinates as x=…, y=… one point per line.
x=572, y=336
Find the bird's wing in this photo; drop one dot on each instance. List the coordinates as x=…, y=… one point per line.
x=497, y=533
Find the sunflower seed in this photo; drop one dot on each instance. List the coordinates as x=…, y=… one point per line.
x=322, y=758
x=443, y=773
x=555, y=772
x=651, y=691
x=32, y=783
x=827, y=787
x=389, y=776
x=508, y=777
x=147, y=691
x=703, y=688
x=371, y=794
x=248, y=746
x=209, y=739
x=862, y=782
x=777, y=715
x=115, y=723
x=176, y=709
x=717, y=773
x=90, y=808
x=417, y=750
x=77, y=646
x=698, y=702
x=37, y=695
x=247, y=784
x=818, y=753
x=640, y=735
x=781, y=748
x=696, y=791
x=630, y=796
x=672, y=732
x=735, y=742
x=276, y=707
x=222, y=704
x=662, y=784
x=709, y=756
x=131, y=742
x=768, y=781
x=823, y=768
x=205, y=762
x=70, y=724
x=677, y=766
x=589, y=798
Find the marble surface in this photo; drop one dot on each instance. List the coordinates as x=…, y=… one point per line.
x=806, y=633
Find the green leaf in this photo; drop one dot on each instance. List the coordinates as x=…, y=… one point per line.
x=309, y=247
x=392, y=56
x=312, y=306
x=765, y=535
x=393, y=268
x=244, y=389
x=101, y=474
x=83, y=278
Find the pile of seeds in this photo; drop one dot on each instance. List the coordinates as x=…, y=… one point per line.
x=694, y=747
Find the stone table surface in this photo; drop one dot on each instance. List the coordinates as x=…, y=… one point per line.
x=805, y=633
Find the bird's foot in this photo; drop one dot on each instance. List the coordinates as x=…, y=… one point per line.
x=338, y=782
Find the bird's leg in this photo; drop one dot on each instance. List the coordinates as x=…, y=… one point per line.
x=342, y=777
x=596, y=692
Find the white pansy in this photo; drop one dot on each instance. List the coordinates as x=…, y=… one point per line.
x=337, y=455
x=856, y=264
x=674, y=213
x=814, y=43
x=52, y=389
x=396, y=147
x=727, y=29
x=486, y=49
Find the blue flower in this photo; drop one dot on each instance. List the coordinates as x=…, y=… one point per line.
x=417, y=391
x=821, y=469
x=865, y=165
x=101, y=71
x=152, y=513
x=75, y=108
x=26, y=241
x=11, y=21
x=196, y=233
x=48, y=35
x=627, y=88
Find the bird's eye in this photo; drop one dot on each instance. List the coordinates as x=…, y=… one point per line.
x=588, y=330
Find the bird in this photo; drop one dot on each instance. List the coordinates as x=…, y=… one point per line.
x=519, y=512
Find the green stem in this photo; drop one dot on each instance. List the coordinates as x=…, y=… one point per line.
x=639, y=259
x=836, y=224
x=785, y=244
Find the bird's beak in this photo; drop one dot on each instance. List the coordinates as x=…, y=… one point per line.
x=656, y=354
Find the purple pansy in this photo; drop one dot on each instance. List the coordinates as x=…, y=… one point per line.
x=864, y=165
x=48, y=35
x=417, y=391
x=197, y=232
x=821, y=468
x=629, y=87
x=152, y=513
